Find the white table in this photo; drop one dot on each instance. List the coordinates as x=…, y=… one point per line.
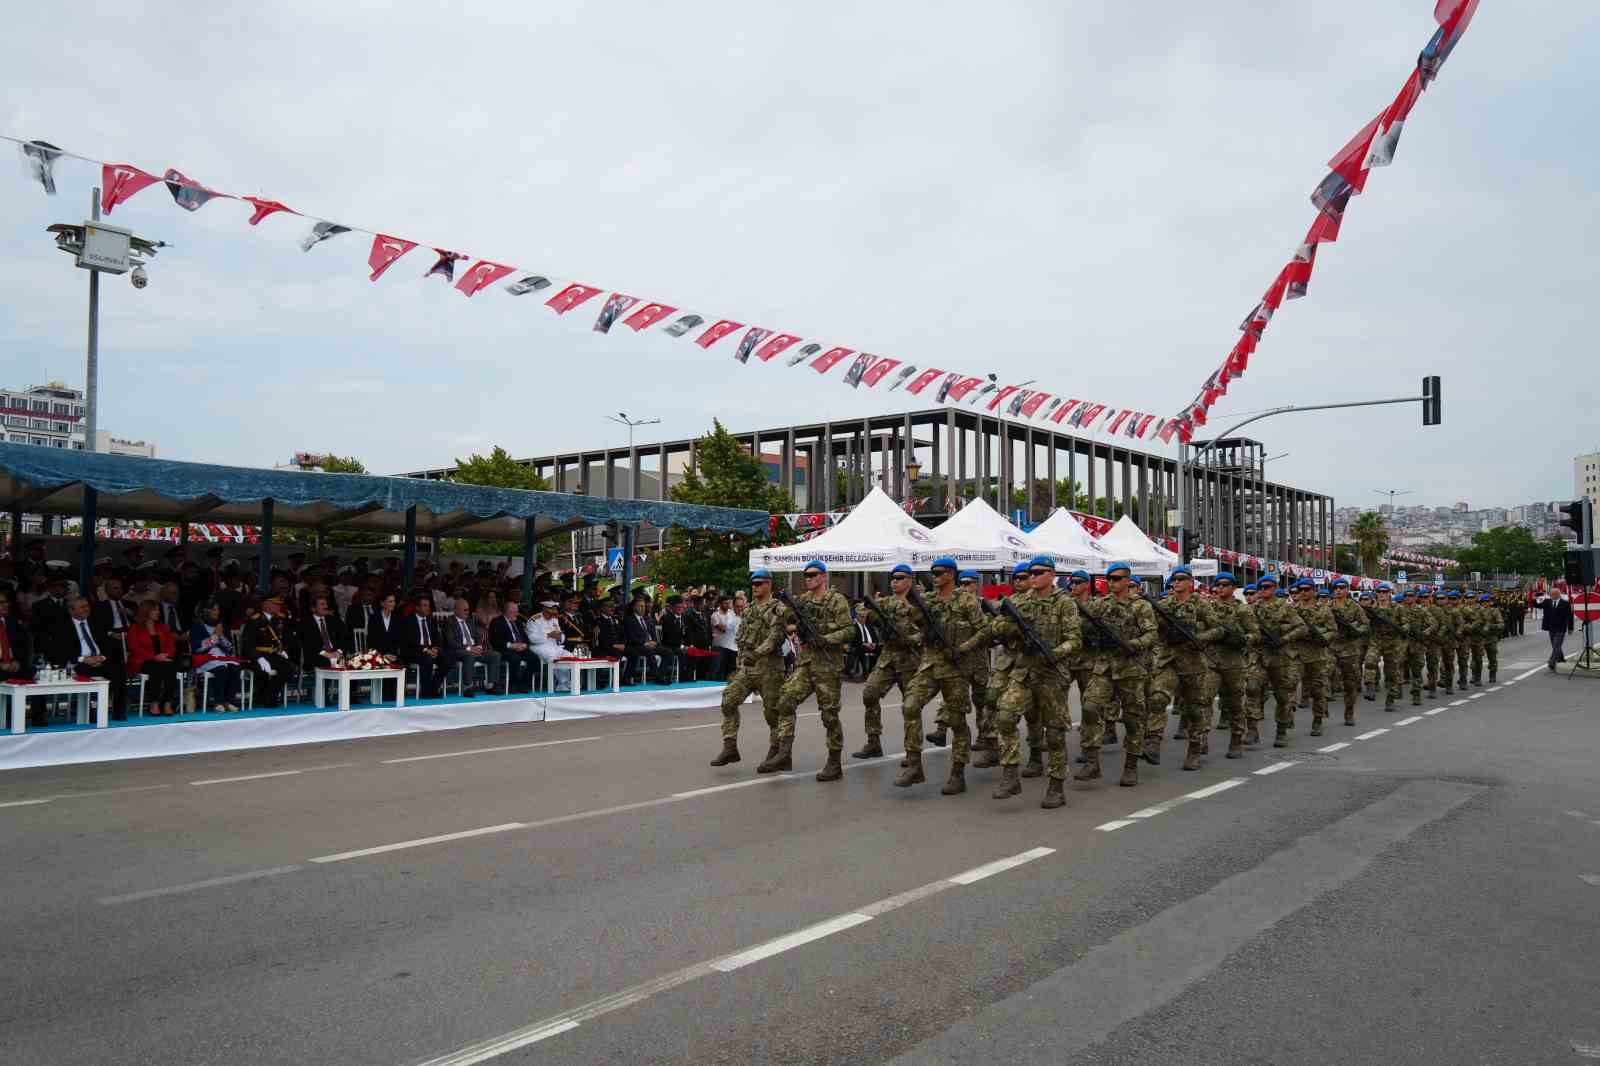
x=14, y=700
x=343, y=678
x=576, y=668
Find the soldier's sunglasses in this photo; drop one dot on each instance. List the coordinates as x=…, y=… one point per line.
x=1039, y=572
x=938, y=570
x=899, y=577
x=1080, y=581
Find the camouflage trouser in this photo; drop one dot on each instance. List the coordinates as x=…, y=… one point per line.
x=1314, y=668
x=1447, y=666
x=1463, y=660
x=987, y=700
x=949, y=683
x=1111, y=698
x=1416, y=659
x=1233, y=689
x=1081, y=676
x=989, y=729
x=764, y=678
x=1097, y=716
x=1041, y=692
x=1161, y=689
x=1431, y=655
x=978, y=686
x=810, y=678
x=890, y=670
x=1191, y=698
x=1484, y=650
x=1393, y=655
x=1255, y=690
x=1282, y=676
x=1347, y=675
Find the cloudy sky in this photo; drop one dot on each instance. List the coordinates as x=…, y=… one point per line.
x=1090, y=193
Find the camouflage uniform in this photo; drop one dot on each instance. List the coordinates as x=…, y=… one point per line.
x=1240, y=636
x=1083, y=667
x=1388, y=644
x=1486, y=642
x=1433, y=654
x=1119, y=679
x=1316, y=657
x=996, y=680
x=1280, y=665
x=1353, y=632
x=1420, y=628
x=962, y=621
x=817, y=669
x=1449, y=637
x=1464, y=639
x=1033, y=682
x=759, y=668
x=1179, y=669
x=896, y=665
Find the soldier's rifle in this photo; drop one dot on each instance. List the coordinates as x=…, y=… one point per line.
x=1381, y=619
x=1274, y=641
x=1110, y=634
x=802, y=620
x=894, y=632
x=1175, y=625
x=1031, y=638
x=935, y=632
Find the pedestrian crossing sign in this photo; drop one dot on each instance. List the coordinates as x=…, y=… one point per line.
x=614, y=560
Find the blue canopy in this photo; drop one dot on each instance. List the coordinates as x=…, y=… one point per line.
x=39, y=480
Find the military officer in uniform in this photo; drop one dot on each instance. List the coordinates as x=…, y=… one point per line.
x=896, y=664
x=1450, y=636
x=1092, y=721
x=1037, y=679
x=817, y=667
x=1487, y=646
x=1255, y=673
x=975, y=665
x=1119, y=679
x=1352, y=636
x=1316, y=650
x=1283, y=629
x=758, y=669
x=1388, y=646
x=1419, y=631
x=1180, y=665
x=988, y=746
x=952, y=626
x=1237, y=624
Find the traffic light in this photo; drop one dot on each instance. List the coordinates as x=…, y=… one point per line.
x=1430, y=400
x=1575, y=516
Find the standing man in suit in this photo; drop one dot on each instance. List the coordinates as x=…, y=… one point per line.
x=420, y=647
x=466, y=644
x=1558, y=623
x=96, y=652
x=507, y=637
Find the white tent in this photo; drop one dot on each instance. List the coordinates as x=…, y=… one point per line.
x=978, y=538
x=876, y=535
x=1062, y=536
x=1127, y=542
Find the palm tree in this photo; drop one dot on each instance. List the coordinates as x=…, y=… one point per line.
x=1371, y=538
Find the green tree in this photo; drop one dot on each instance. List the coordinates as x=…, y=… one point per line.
x=1370, y=535
x=496, y=470
x=1069, y=494
x=1344, y=559
x=725, y=475
x=1512, y=550
x=342, y=464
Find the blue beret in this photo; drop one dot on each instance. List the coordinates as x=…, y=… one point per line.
x=944, y=561
x=1486, y=598
x=1044, y=561
x=1081, y=575
x=1112, y=568
x=1252, y=587
x=1452, y=595
x=762, y=573
x=1283, y=594
x=1225, y=576
x=1341, y=582
x=816, y=564
x=900, y=568
x=1385, y=587
x=1324, y=594
x=1411, y=590
x=1178, y=571
x=1020, y=568
x=1304, y=583
x=965, y=574
x=1268, y=579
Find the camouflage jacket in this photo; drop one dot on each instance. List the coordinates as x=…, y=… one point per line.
x=1282, y=620
x=1449, y=623
x=1240, y=633
x=1352, y=625
x=1321, y=630
x=1095, y=645
x=830, y=615
x=1492, y=624
x=963, y=624
x=1394, y=616
x=1054, y=619
x=907, y=650
x=1133, y=621
x=1196, y=616
x=1420, y=625
x=1005, y=657
x=760, y=632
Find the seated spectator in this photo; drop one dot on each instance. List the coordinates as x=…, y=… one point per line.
x=420, y=647
x=15, y=644
x=577, y=629
x=214, y=656
x=645, y=659
x=265, y=651
x=487, y=609
x=323, y=638
x=510, y=639
x=548, y=639
x=466, y=646
x=609, y=641
x=153, y=652
x=383, y=626
x=172, y=615
x=94, y=653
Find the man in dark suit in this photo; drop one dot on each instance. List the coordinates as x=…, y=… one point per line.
x=114, y=614
x=507, y=636
x=675, y=625
x=323, y=637
x=643, y=639
x=16, y=645
x=1558, y=623
x=466, y=646
x=48, y=615
x=95, y=652
x=358, y=619
x=608, y=640
x=420, y=647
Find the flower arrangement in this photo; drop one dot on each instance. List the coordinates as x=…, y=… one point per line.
x=367, y=660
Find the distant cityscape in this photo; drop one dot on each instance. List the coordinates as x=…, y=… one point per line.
x=1453, y=527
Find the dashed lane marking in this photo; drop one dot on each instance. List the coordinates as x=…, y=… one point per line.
x=1408, y=721
x=81, y=795
x=1112, y=827
x=1477, y=696
x=1276, y=767
x=978, y=873
x=1436, y=710
x=1331, y=748
x=1372, y=733
x=195, y=886
x=274, y=773
x=792, y=940
x=421, y=842
x=1590, y=879
x=1530, y=673
x=1457, y=703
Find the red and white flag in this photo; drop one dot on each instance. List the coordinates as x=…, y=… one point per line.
x=1387, y=140
x=1144, y=426
x=118, y=183
x=1116, y=423
x=614, y=307
x=962, y=386
x=647, y=316
x=923, y=380
x=482, y=275
x=830, y=359
x=717, y=332
x=263, y=208
x=189, y=194
x=571, y=297
x=1064, y=411
x=444, y=265
x=1034, y=402
x=1001, y=396
x=776, y=346
x=878, y=371
x=385, y=251
x=1090, y=413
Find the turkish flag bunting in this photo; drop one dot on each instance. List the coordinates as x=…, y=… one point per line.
x=1198, y=415
x=1299, y=271
x=923, y=380
x=1387, y=140
x=1350, y=162
x=482, y=274
x=1325, y=230
x=385, y=250
x=1034, y=402
x=188, y=194
x=445, y=265
x=775, y=346
x=878, y=371
x=717, y=332
x=1144, y=426
x=1000, y=397
x=612, y=310
x=1274, y=297
x=959, y=390
x=830, y=359
x=571, y=297
x=1090, y=413
x=1116, y=423
x=1165, y=429
x=263, y=208
x=1064, y=410
x=118, y=183
x=648, y=315
x=1185, y=430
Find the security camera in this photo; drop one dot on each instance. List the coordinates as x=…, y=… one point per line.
x=139, y=278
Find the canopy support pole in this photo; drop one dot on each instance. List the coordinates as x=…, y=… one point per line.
x=411, y=547
x=264, y=571
x=528, y=554
x=91, y=500
x=627, y=563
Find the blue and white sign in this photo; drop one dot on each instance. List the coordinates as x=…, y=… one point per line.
x=614, y=560
x=1400, y=576
x=1019, y=515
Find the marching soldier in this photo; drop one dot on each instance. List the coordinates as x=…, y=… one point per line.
x=1282, y=630
x=990, y=738
x=1237, y=623
x=1039, y=677
x=1486, y=646
x=1388, y=644
x=976, y=667
x=1186, y=626
x=1119, y=678
x=817, y=666
x=1316, y=656
x=1450, y=638
x=1434, y=651
x=759, y=669
x=1255, y=672
x=1419, y=631
x=1463, y=638
x=952, y=626
x=1094, y=729
x=1352, y=635
x=897, y=662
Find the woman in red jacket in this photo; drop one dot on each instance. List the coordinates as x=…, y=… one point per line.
x=153, y=652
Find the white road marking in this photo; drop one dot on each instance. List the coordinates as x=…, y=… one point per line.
x=1372, y=733
x=792, y=940
x=1436, y=710
x=27, y=803
x=510, y=1042
x=1585, y=1051
x=686, y=728
x=486, y=751
x=989, y=869
x=1497, y=688
x=883, y=906
x=1530, y=673
x=1477, y=696
x=245, y=777
x=1575, y=814
x=1331, y=748
x=767, y=780
x=422, y=842
x=1212, y=790
x=194, y=886
x=1458, y=703
x=82, y=795
x=1275, y=767
x=1590, y=879
x=1112, y=827
x=1408, y=721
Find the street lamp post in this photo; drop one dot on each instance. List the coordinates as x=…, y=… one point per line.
x=622, y=419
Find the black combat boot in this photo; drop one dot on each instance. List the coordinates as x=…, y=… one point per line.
x=1235, y=747
x=1370, y=691
x=1054, y=795
x=1282, y=739
x=769, y=765
x=1035, y=767
x=987, y=756
x=1090, y=771
x=1349, y=716
x=872, y=749
x=729, y=753
x=1492, y=675
x=1130, y=770
x=912, y=774
x=1191, y=758
x=1416, y=699
x=957, y=783
x=1152, y=749
x=939, y=737
x=1316, y=725
x=1010, y=783
x=831, y=770
x=1252, y=736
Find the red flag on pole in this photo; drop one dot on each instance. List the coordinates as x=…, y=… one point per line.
x=1034, y=402
x=923, y=380
x=1064, y=410
x=647, y=316
x=878, y=371
x=776, y=346
x=118, y=183
x=830, y=359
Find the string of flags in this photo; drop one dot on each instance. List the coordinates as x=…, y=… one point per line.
x=120, y=182
x=1414, y=557
x=1255, y=562
x=1373, y=146
x=199, y=532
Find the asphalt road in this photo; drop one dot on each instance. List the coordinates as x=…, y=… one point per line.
x=1427, y=894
